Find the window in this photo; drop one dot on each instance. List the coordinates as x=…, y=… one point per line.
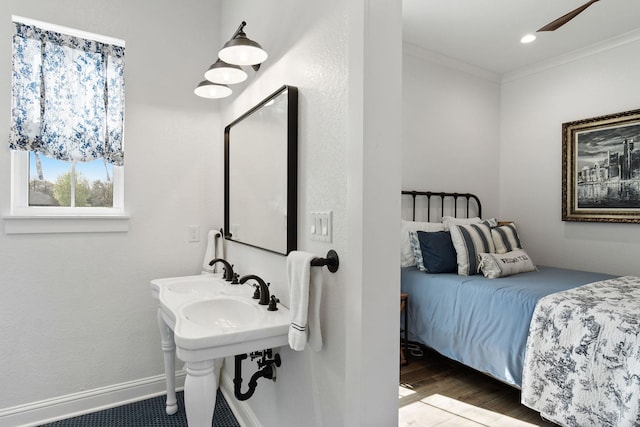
x=67, y=122
x=55, y=182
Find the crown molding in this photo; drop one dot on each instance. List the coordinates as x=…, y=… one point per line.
x=447, y=61
x=594, y=49
x=576, y=55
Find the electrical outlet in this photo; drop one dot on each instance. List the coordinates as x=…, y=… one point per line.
x=193, y=233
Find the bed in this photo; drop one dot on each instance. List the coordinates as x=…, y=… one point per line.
x=480, y=322
x=485, y=322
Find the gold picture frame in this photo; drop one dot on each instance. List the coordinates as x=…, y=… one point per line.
x=601, y=168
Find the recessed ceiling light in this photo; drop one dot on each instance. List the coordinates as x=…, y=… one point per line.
x=528, y=38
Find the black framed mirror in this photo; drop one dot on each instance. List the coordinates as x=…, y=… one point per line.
x=261, y=174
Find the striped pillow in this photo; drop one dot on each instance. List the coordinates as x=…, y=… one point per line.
x=505, y=238
x=470, y=241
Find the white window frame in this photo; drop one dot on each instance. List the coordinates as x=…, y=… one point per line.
x=57, y=219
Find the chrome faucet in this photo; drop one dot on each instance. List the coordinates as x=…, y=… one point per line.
x=228, y=268
x=263, y=288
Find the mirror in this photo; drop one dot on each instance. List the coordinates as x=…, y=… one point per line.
x=260, y=177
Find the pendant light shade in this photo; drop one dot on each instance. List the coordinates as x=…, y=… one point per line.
x=241, y=50
x=207, y=89
x=221, y=72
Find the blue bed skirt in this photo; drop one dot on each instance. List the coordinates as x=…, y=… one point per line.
x=480, y=322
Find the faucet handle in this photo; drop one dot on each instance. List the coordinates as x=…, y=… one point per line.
x=256, y=292
x=273, y=303
x=235, y=281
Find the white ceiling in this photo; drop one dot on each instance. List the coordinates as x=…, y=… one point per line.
x=486, y=33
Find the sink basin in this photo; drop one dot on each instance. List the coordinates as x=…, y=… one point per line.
x=195, y=287
x=176, y=291
x=211, y=318
x=202, y=286
x=227, y=325
x=222, y=314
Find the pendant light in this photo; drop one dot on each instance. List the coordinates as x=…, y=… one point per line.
x=241, y=50
x=237, y=52
x=221, y=72
x=207, y=89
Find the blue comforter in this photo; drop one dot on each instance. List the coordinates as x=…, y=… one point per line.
x=482, y=323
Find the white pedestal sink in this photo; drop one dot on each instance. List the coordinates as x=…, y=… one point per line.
x=203, y=318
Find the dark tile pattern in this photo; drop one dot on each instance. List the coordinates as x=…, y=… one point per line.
x=148, y=413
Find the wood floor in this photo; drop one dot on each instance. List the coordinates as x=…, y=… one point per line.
x=436, y=391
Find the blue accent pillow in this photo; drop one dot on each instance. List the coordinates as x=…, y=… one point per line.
x=438, y=253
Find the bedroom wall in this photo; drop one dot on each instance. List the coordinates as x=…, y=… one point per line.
x=76, y=309
x=535, y=103
x=451, y=127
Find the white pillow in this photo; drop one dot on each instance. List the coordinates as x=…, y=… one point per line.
x=470, y=240
x=406, y=253
x=507, y=264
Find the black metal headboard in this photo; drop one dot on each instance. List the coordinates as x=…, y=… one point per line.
x=467, y=200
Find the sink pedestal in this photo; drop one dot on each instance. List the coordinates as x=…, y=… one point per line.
x=200, y=393
x=200, y=386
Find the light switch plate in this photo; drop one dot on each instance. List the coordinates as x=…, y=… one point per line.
x=321, y=228
x=193, y=233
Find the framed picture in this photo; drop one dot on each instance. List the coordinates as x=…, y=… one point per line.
x=601, y=168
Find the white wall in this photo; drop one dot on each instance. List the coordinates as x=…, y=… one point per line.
x=450, y=128
x=319, y=47
x=534, y=106
x=373, y=184
x=307, y=50
x=76, y=309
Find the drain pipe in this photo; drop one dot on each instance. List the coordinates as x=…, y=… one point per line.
x=267, y=371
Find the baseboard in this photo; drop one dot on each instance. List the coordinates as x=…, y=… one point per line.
x=241, y=410
x=85, y=402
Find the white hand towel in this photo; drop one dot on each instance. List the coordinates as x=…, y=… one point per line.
x=314, y=337
x=305, y=291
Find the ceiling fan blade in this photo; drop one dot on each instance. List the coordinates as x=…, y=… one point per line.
x=552, y=26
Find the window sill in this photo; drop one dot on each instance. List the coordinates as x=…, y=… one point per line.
x=42, y=224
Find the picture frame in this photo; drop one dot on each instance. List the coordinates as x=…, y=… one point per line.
x=601, y=168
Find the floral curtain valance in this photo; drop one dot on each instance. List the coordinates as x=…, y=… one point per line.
x=67, y=96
